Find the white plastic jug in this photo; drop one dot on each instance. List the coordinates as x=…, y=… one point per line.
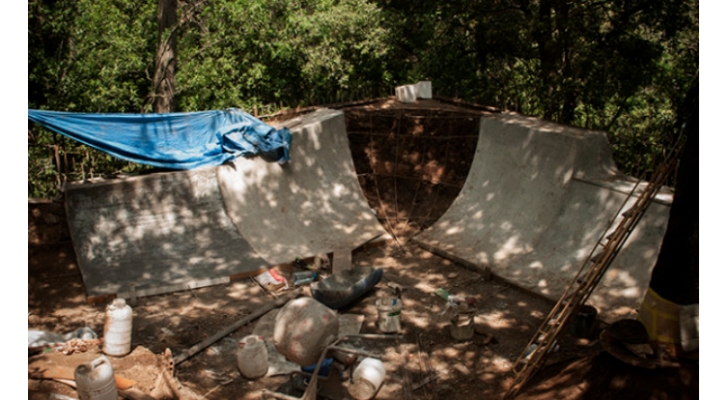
x=368, y=377
x=252, y=357
x=95, y=380
x=117, y=329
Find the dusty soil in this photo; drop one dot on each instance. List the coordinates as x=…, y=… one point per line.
x=412, y=161
x=476, y=368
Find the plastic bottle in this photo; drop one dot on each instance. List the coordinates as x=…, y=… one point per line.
x=252, y=357
x=95, y=380
x=389, y=314
x=300, y=278
x=117, y=329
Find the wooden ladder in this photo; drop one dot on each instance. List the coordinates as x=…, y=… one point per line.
x=603, y=253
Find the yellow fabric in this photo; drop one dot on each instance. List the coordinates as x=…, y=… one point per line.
x=661, y=318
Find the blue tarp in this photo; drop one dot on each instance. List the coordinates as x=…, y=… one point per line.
x=174, y=140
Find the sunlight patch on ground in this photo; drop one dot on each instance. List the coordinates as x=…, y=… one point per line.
x=498, y=363
x=498, y=320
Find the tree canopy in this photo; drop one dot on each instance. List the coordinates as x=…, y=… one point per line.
x=613, y=65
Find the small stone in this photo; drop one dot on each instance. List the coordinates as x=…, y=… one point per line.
x=452, y=275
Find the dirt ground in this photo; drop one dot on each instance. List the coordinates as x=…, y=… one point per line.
x=471, y=369
x=411, y=161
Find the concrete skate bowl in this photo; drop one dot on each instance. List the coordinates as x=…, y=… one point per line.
x=166, y=232
x=522, y=198
x=412, y=160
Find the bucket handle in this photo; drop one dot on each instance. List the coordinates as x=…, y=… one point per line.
x=96, y=363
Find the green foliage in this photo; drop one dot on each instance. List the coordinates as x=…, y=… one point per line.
x=85, y=56
x=614, y=65
x=90, y=56
x=617, y=66
x=245, y=53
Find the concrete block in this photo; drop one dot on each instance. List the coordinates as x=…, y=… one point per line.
x=424, y=90
x=406, y=93
x=342, y=260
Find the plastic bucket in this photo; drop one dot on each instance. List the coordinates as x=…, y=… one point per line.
x=583, y=322
x=367, y=377
x=389, y=310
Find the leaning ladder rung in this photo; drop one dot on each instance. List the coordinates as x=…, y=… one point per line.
x=611, y=235
x=629, y=212
x=597, y=257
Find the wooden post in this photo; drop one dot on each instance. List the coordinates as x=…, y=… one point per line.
x=65, y=162
x=58, y=164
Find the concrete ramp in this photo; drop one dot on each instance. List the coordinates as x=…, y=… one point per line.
x=155, y=234
x=536, y=200
x=310, y=205
x=166, y=232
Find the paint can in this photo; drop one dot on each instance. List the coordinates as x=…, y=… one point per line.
x=582, y=324
x=367, y=379
x=117, y=329
x=389, y=310
x=462, y=325
x=95, y=380
x=252, y=356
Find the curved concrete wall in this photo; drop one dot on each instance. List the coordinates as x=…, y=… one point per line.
x=310, y=205
x=537, y=198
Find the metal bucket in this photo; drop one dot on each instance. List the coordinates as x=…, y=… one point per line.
x=583, y=322
x=462, y=326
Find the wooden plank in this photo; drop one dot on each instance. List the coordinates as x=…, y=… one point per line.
x=192, y=284
x=231, y=328
x=135, y=394
x=342, y=261
x=67, y=373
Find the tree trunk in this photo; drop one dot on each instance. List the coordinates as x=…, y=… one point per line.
x=164, y=62
x=548, y=56
x=676, y=273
